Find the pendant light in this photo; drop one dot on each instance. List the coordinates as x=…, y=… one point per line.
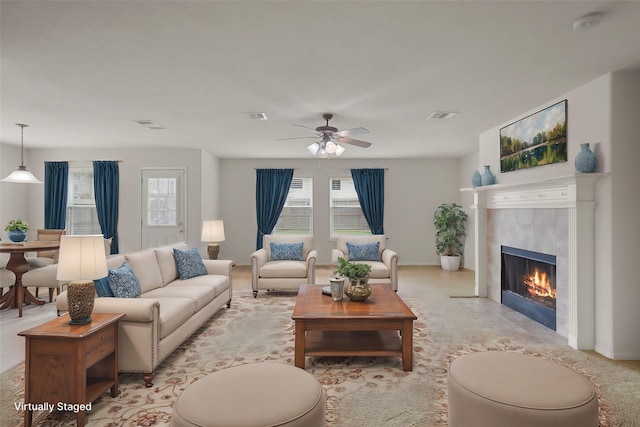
x=22, y=174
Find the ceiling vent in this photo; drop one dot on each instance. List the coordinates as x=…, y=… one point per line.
x=150, y=124
x=437, y=115
x=255, y=116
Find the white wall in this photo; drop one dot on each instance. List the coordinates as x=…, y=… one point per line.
x=468, y=165
x=413, y=190
x=14, y=203
x=199, y=166
x=625, y=152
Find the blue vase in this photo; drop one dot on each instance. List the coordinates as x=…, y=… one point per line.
x=17, y=236
x=488, y=178
x=585, y=160
x=476, y=179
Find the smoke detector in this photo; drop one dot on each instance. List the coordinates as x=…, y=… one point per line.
x=255, y=116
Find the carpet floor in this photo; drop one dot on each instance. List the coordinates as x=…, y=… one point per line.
x=361, y=391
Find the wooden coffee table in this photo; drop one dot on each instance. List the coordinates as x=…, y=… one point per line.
x=380, y=326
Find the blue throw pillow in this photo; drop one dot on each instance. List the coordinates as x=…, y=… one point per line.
x=189, y=263
x=123, y=282
x=102, y=287
x=286, y=251
x=364, y=252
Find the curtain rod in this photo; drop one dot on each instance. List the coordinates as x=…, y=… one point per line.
x=84, y=161
x=319, y=168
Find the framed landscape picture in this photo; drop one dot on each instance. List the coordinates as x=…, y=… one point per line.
x=536, y=140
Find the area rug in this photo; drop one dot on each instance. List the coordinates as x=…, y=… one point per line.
x=361, y=391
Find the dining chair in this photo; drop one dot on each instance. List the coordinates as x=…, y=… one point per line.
x=48, y=257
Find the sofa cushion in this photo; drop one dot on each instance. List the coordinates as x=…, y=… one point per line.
x=286, y=251
x=189, y=263
x=285, y=238
x=102, y=287
x=217, y=282
x=145, y=266
x=167, y=262
x=279, y=269
x=201, y=295
x=363, y=251
x=378, y=269
x=123, y=282
x=341, y=242
x=173, y=313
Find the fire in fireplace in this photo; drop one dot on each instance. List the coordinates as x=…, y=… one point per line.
x=529, y=284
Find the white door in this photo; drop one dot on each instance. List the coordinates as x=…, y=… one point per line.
x=163, y=207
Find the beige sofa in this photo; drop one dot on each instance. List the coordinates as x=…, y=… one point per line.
x=168, y=311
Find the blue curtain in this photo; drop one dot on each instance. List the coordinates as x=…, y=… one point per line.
x=272, y=188
x=369, y=185
x=106, y=186
x=56, y=176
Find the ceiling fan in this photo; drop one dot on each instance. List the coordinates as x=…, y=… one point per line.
x=331, y=138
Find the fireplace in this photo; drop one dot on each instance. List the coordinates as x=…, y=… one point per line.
x=529, y=284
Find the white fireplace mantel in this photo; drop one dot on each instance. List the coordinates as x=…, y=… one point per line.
x=576, y=193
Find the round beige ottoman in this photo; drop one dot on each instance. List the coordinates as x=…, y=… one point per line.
x=258, y=394
x=500, y=389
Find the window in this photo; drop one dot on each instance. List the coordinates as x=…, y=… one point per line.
x=346, y=215
x=297, y=214
x=161, y=201
x=82, y=217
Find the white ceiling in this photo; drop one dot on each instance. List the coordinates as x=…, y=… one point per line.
x=81, y=72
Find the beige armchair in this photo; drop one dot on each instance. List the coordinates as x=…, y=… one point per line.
x=383, y=270
x=270, y=272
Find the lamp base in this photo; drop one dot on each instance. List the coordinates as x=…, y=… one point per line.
x=80, y=298
x=213, y=249
x=80, y=321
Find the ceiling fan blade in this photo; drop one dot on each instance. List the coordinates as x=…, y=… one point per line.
x=309, y=129
x=354, y=131
x=352, y=141
x=297, y=137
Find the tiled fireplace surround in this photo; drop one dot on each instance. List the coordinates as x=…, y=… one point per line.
x=555, y=216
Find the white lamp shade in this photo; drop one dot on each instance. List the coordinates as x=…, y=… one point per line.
x=81, y=258
x=212, y=231
x=339, y=150
x=22, y=175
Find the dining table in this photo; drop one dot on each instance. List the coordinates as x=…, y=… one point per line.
x=18, y=295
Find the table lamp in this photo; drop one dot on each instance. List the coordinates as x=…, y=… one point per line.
x=213, y=231
x=81, y=260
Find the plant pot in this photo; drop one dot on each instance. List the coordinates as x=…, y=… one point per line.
x=17, y=236
x=357, y=289
x=450, y=263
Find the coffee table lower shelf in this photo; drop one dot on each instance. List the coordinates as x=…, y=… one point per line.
x=353, y=343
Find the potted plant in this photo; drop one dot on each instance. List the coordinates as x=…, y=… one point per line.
x=358, y=275
x=450, y=220
x=17, y=230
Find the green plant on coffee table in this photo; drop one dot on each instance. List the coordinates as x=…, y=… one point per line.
x=17, y=225
x=353, y=270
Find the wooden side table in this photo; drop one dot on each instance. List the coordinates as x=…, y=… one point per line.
x=69, y=366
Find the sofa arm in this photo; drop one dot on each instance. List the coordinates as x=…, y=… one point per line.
x=258, y=259
x=219, y=266
x=311, y=266
x=390, y=259
x=336, y=254
x=135, y=309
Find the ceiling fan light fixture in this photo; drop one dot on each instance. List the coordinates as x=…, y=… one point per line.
x=339, y=150
x=331, y=147
x=22, y=174
x=313, y=148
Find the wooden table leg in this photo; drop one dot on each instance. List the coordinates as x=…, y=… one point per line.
x=7, y=299
x=299, y=344
x=407, y=345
